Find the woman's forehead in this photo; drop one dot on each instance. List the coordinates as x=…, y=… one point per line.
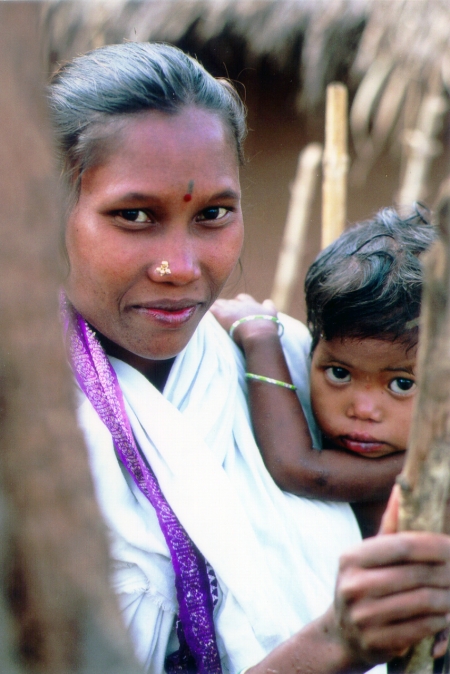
x=156, y=152
x=164, y=136
x=185, y=125
x=171, y=127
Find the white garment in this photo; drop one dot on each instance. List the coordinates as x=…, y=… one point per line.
x=275, y=555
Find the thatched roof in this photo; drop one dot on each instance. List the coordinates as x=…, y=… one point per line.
x=391, y=53
x=331, y=32
x=315, y=38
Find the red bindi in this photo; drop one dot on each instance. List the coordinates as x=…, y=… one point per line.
x=188, y=195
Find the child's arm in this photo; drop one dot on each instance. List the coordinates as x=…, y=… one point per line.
x=280, y=426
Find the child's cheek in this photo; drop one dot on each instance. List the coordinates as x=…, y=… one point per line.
x=325, y=412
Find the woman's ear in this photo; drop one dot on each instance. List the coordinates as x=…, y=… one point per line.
x=389, y=523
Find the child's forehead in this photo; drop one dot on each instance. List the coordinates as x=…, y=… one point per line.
x=370, y=353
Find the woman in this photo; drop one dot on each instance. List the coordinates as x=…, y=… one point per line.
x=215, y=568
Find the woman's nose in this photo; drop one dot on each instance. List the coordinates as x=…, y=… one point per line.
x=365, y=406
x=178, y=266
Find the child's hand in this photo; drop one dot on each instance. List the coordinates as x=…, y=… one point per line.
x=229, y=311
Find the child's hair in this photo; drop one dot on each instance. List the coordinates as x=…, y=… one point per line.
x=368, y=283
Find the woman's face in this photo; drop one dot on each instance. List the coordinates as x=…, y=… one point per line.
x=168, y=191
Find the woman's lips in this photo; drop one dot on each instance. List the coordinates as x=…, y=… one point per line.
x=361, y=444
x=175, y=314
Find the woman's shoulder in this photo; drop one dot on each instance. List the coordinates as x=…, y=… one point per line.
x=295, y=332
x=296, y=342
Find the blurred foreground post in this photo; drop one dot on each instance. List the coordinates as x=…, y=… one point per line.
x=425, y=479
x=57, y=613
x=292, y=245
x=335, y=164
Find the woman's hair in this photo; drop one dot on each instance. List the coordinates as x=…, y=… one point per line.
x=368, y=283
x=97, y=90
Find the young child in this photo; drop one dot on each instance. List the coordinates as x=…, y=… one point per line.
x=363, y=300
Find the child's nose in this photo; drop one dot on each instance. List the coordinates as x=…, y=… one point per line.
x=365, y=406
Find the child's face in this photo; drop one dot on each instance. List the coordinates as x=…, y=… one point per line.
x=362, y=393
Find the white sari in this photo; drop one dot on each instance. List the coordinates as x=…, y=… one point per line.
x=275, y=555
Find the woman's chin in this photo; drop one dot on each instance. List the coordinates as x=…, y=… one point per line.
x=140, y=353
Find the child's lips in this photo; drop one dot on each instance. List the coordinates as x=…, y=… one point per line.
x=362, y=444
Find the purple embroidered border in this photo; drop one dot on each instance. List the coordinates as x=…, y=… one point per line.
x=98, y=381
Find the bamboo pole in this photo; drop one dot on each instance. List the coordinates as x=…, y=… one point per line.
x=335, y=164
x=422, y=146
x=302, y=194
x=424, y=481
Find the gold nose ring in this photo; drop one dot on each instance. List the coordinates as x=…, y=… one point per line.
x=164, y=268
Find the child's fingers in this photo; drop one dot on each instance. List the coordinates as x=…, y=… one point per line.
x=218, y=307
x=223, y=313
x=227, y=312
x=245, y=297
x=268, y=304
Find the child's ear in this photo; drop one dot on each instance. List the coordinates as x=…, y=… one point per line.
x=389, y=523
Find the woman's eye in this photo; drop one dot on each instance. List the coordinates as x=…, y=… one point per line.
x=402, y=386
x=213, y=213
x=338, y=375
x=134, y=215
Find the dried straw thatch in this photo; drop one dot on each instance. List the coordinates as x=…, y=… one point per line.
x=393, y=54
x=313, y=37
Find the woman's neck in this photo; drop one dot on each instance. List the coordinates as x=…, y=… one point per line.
x=156, y=371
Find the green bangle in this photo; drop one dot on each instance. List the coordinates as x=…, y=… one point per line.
x=254, y=317
x=269, y=380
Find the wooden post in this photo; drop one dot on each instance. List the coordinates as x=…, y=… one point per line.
x=424, y=481
x=302, y=194
x=422, y=147
x=335, y=164
x=57, y=609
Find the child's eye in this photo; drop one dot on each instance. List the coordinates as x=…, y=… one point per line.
x=338, y=375
x=212, y=213
x=402, y=386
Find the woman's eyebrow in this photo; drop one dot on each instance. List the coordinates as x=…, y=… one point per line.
x=227, y=194
x=133, y=197
x=136, y=196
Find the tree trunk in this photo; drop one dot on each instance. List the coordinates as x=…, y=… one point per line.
x=57, y=612
x=424, y=481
